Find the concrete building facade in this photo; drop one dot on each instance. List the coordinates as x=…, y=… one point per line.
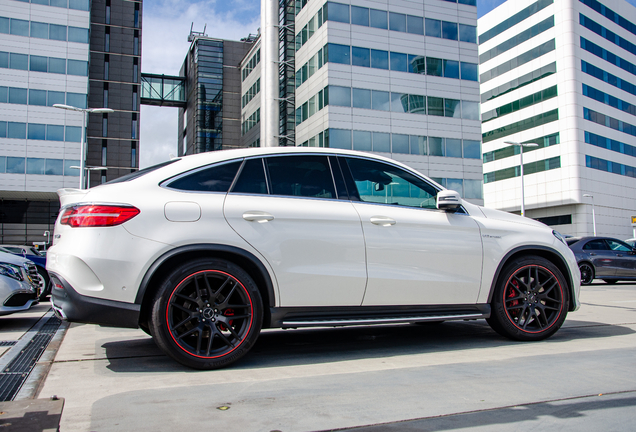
x=559, y=74
x=44, y=60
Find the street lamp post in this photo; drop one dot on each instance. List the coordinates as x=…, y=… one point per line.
x=593, y=215
x=522, y=145
x=84, y=111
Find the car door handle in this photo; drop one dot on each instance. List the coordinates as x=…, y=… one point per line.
x=592, y=254
x=382, y=220
x=619, y=255
x=257, y=216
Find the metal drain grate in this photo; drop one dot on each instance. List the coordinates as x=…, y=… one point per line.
x=16, y=372
x=7, y=343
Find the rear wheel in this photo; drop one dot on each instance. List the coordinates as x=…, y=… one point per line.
x=207, y=314
x=530, y=301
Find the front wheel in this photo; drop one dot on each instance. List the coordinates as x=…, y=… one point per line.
x=530, y=301
x=587, y=273
x=207, y=314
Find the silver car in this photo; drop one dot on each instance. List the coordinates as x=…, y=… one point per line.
x=20, y=284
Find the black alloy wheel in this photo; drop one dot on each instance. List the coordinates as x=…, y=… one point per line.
x=530, y=301
x=207, y=314
x=587, y=273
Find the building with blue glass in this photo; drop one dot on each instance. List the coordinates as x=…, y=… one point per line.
x=559, y=74
x=396, y=78
x=83, y=53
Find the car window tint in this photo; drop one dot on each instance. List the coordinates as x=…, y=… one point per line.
x=14, y=250
x=341, y=188
x=382, y=183
x=252, y=178
x=306, y=176
x=216, y=178
x=618, y=246
x=596, y=245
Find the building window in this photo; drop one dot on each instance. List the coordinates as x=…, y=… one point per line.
x=133, y=155
x=136, y=15
x=104, y=125
x=106, y=66
x=107, y=39
x=134, y=126
x=105, y=104
x=135, y=76
x=134, y=99
x=104, y=152
x=136, y=43
x=107, y=11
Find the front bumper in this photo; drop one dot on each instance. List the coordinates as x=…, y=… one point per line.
x=71, y=306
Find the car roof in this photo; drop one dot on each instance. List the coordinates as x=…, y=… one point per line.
x=190, y=162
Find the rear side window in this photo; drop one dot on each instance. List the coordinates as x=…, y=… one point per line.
x=217, y=178
x=596, y=245
x=252, y=178
x=303, y=176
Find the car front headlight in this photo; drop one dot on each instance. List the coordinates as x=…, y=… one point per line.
x=559, y=236
x=10, y=270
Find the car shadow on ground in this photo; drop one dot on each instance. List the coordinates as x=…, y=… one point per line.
x=548, y=413
x=276, y=348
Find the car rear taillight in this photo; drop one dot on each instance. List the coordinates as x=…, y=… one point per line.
x=97, y=215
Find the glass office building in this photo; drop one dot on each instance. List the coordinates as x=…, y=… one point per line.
x=83, y=53
x=211, y=119
x=559, y=74
x=400, y=80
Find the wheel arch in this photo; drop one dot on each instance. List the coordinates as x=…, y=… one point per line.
x=246, y=260
x=545, y=252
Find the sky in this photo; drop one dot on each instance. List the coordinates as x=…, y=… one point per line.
x=166, y=26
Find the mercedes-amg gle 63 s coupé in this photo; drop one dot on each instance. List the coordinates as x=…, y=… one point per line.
x=204, y=251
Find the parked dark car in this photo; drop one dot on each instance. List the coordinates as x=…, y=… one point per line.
x=603, y=258
x=35, y=256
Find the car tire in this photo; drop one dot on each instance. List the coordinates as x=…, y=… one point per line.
x=530, y=301
x=206, y=314
x=587, y=273
x=46, y=289
x=610, y=281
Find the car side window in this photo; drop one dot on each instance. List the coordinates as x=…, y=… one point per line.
x=618, y=247
x=216, y=178
x=302, y=176
x=382, y=183
x=252, y=178
x=596, y=245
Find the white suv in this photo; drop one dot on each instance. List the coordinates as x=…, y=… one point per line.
x=204, y=251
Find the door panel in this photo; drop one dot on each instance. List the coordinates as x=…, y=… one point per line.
x=416, y=254
x=315, y=246
x=424, y=257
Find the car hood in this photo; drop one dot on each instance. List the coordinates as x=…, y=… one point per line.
x=12, y=259
x=509, y=217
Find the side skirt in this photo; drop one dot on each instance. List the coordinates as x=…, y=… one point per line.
x=328, y=316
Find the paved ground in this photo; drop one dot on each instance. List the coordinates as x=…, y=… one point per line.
x=452, y=376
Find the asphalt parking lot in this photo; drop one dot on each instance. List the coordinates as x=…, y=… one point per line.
x=452, y=376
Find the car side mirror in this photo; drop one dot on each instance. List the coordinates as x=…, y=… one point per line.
x=448, y=200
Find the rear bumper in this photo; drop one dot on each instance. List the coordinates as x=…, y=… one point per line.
x=71, y=306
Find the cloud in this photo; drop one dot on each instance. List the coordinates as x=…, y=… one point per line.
x=166, y=26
